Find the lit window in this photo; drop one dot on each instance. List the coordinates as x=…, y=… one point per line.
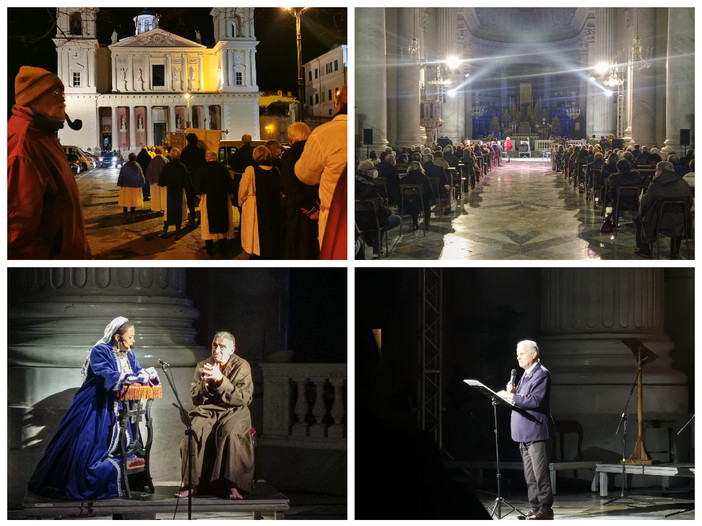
x=76, y=79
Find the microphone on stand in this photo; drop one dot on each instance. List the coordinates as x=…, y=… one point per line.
x=165, y=365
x=74, y=125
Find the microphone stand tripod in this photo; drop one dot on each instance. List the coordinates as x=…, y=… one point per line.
x=496, y=507
x=185, y=418
x=623, y=424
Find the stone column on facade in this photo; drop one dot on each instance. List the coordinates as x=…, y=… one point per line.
x=56, y=316
x=149, y=124
x=130, y=78
x=680, y=79
x=171, y=118
x=407, y=81
x=643, y=89
x=604, y=107
x=115, y=78
x=132, y=128
x=586, y=315
x=371, y=79
x=254, y=79
x=201, y=81
x=169, y=80
x=115, y=128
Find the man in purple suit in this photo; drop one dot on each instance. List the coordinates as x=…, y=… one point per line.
x=533, y=427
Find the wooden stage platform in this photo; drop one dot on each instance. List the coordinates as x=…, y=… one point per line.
x=263, y=499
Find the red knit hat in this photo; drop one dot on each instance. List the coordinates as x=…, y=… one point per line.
x=31, y=83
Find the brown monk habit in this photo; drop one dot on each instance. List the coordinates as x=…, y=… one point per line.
x=221, y=422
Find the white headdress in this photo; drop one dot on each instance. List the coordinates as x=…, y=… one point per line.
x=110, y=331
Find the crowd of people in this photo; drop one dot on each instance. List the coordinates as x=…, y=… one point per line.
x=278, y=200
x=429, y=169
x=284, y=204
x=659, y=176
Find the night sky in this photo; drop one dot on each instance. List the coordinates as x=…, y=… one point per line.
x=30, y=33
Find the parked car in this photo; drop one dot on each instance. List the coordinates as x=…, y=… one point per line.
x=85, y=160
x=74, y=163
x=111, y=159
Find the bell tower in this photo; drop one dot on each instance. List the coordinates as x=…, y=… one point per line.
x=76, y=46
x=236, y=45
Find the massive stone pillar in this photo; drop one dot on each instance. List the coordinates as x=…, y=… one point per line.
x=115, y=129
x=586, y=313
x=371, y=79
x=132, y=129
x=680, y=81
x=446, y=30
x=604, y=107
x=55, y=316
x=643, y=84
x=407, y=80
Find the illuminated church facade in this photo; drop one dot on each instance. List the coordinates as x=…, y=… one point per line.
x=470, y=73
x=135, y=90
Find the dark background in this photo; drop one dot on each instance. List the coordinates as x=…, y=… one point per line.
x=251, y=304
x=30, y=33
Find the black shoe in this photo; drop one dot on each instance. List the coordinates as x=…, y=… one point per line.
x=643, y=252
x=164, y=235
x=675, y=256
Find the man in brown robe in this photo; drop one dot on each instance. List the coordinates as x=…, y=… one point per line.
x=222, y=447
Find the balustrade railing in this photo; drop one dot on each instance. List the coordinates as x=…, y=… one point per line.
x=304, y=405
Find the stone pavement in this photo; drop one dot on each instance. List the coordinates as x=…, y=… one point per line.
x=113, y=235
x=521, y=211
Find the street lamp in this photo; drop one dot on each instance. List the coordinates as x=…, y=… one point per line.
x=188, y=96
x=297, y=13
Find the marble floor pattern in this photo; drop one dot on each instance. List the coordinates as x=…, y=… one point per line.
x=522, y=211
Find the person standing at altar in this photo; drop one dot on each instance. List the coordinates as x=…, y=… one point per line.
x=508, y=147
x=533, y=430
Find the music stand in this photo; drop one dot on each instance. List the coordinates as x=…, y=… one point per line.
x=496, y=507
x=643, y=356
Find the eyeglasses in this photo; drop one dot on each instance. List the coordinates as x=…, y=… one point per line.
x=57, y=92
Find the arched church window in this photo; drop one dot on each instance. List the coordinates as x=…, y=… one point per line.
x=75, y=24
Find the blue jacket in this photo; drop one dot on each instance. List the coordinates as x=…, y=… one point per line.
x=533, y=394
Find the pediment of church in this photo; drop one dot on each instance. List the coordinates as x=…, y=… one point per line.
x=157, y=38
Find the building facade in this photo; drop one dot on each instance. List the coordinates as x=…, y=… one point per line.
x=466, y=73
x=324, y=76
x=135, y=90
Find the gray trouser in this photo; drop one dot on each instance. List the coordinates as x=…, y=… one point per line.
x=536, y=474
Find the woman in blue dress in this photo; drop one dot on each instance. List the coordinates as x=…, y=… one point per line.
x=82, y=460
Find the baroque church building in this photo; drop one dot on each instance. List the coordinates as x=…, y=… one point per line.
x=466, y=73
x=135, y=90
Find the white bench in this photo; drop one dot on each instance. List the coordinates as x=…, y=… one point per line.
x=662, y=470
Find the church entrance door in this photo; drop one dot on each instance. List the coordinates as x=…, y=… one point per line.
x=159, y=133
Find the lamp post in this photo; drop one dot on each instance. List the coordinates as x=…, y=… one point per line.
x=297, y=13
x=188, y=96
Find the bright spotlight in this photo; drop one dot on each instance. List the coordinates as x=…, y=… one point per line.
x=609, y=92
x=467, y=75
x=452, y=92
x=601, y=68
x=453, y=62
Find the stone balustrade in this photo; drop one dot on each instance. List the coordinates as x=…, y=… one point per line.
x=304, y=405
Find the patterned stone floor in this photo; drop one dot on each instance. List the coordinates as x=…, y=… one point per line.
x=521, y=211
